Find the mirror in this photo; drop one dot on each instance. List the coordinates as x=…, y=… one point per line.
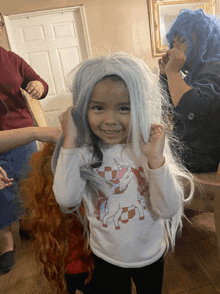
x=162, y=15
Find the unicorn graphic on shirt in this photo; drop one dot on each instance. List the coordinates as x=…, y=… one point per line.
x=126, y=195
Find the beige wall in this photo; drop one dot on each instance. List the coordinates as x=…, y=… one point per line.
x=113, y=25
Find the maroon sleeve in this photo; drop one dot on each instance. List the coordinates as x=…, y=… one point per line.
x=29, y=75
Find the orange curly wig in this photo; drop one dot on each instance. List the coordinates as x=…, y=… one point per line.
x=53, y=232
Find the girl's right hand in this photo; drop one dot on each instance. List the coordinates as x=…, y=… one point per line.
x=68, y=126
x=4, y=180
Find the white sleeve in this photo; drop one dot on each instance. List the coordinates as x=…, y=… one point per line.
x=165, y=191
x=68, y=186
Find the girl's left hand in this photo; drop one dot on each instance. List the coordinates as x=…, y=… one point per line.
x=4, y=180
x=35, y=89
x=153, y=150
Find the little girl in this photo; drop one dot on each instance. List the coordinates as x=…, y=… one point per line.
x=114, y=156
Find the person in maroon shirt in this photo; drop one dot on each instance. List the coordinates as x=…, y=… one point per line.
x=15, y=73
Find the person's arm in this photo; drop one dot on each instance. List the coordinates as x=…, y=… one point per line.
x=164, y=191
x=15, y=138
x=36, y=89
x=177, y=86
x=68, y=186
x=203, y=99
x=69, y=129
x=153, y=150
x=32, y=83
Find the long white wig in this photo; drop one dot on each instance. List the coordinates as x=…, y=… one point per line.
x=145, y=98
x=146, y=101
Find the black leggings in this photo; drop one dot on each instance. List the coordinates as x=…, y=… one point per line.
x=108, y=278
x=75, y=282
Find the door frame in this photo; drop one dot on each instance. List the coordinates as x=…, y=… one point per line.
x=81, y=24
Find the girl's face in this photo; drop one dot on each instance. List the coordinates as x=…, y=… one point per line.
x=109, y=111
x=180, y=43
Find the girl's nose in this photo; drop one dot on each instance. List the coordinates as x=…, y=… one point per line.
x=110, y=118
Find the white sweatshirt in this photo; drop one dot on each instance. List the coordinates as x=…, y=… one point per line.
x=127, y=225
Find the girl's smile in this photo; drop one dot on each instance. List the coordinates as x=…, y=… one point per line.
x=109, y=111
x=111, y=134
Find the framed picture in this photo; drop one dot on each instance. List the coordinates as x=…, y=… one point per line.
x=162, y=15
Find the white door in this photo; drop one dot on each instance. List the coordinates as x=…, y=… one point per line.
x=53, y=42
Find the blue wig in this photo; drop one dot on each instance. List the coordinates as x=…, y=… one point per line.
x=202, y=33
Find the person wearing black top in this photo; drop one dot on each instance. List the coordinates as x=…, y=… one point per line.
x=190, y=74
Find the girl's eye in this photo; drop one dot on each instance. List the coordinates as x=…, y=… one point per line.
x=97, y=108
x=125, y=109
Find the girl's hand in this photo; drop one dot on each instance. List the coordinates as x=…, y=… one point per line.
x=67, y=123
x=177, y=59
x=35, y=89
x=4, y=180
x=153, y=150
x=69, y=128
